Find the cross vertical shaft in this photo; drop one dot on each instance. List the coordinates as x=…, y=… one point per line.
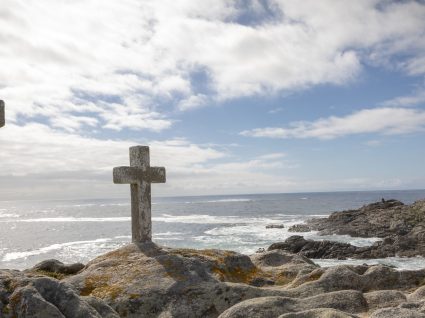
x=141, y=222
x=2, y=120
x=140, y=175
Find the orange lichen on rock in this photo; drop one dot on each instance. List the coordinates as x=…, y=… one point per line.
x=101, y=286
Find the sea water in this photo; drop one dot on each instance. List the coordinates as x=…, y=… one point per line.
x=79, y=230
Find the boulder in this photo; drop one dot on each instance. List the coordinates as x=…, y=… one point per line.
x=418, y=295
x=37, y=296
x=384, y=298
x=319, y=313
x=397, y=312
x=55, y=266
x=350, y=301
x=315, y=249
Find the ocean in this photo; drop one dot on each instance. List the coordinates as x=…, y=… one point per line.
x=79, y=230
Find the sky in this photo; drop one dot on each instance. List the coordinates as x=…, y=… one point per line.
x=232, y=97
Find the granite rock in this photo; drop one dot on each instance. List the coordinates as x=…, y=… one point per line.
x=146, y=280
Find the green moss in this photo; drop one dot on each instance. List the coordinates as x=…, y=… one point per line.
x=58, y=276
x=100, y=286
x=5, y=310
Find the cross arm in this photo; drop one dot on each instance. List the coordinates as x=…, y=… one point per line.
x=122, y=175
x=133, y=175
x=157, y=174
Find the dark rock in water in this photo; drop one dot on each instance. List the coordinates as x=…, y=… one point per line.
x=374, y=220
x=55, y=266
x=402, y=228
x=275, y=226
x=314, y=249
x=299, y=228
x=332, y=249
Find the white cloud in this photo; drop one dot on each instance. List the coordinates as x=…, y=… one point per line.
x=275, y=110
x=416, y=98
x=53, y=66
x=373, y=143
x=36, y=148
x=390, y=121
x=41, y=162
x=96, y=65
x=275, y=155
x=194, y=101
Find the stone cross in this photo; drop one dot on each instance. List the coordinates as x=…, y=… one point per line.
x=1, y=113
x=140, y=175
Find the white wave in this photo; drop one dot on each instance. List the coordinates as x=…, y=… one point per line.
x=255, y=233
x=17, y=255
x=168, y=238
x=2, y=250
x=229, y=200
x=220, y=201
x=82, y=205
x=209, y=219
x=74, y=219
x=86, y=251
x=76, y=205
x=168, y=233
x=401, y=263
x=218, y=242
x=263, y=237
x=257, y=230
x=303, y=216
x=9, y=215
x=155, y=235
x=116, y=204
x=356, y=241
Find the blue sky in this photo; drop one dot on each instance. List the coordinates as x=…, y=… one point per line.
x=232, y=96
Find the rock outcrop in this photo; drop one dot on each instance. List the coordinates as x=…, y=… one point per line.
x=275, y=226
x=401, y=227
x=300, y=228
x=315, y=249
x=56, y=267
x=152, y=281
x=380, y=219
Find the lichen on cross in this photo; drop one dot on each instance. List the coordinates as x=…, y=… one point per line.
x=140, y=175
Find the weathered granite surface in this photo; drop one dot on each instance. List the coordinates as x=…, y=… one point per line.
x=146, y=280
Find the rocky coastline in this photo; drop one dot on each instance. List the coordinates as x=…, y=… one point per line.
x=147, y=280
x=400, y=227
